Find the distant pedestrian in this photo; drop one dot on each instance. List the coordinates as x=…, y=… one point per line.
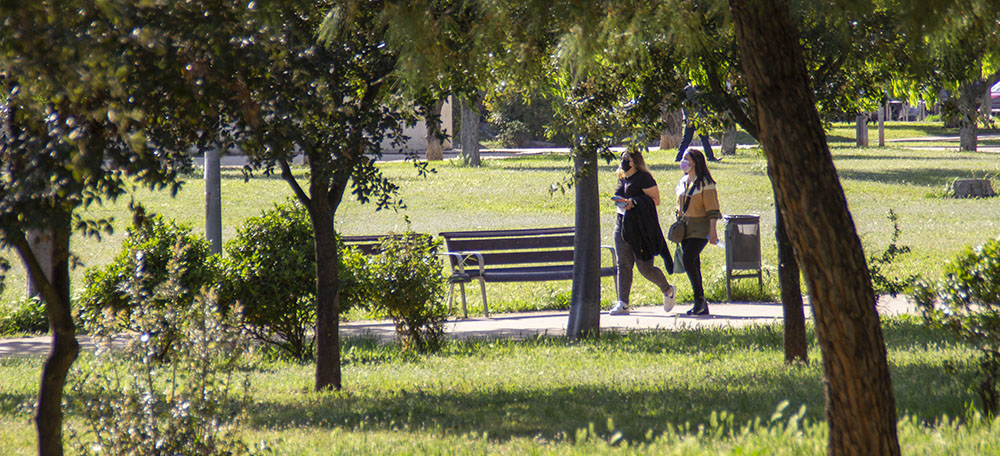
x=689, y=127
x=698, y=203
x=638, y=236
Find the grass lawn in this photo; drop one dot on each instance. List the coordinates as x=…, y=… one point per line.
x=686, y=392
x=515, y=193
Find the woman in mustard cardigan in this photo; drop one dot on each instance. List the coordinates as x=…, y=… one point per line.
x=698, y=202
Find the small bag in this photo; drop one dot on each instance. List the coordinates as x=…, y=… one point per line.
x=679, y=261
x=678, y=230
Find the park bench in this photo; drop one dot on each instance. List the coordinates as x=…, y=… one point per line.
x=368, y=245
x=523, y=255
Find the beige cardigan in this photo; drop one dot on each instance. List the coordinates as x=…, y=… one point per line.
x=703, y=207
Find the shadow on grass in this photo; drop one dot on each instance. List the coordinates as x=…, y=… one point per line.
x=507, y=413
x=504, y=410
x=922, y=391
x=13, y=404
x=949, y=156
x=926, y=177
x=837, y=139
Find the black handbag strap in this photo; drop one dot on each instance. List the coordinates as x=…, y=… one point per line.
x=687, y=198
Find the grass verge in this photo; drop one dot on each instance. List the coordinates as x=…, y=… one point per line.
x=723, y=390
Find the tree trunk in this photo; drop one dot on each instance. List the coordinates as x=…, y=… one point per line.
x=969, y=98
x=470, y=130
x=881, y=125
x=861, y=129
x=65, y=348
x=324, y=201
x=796, y=345
x=670, y=136
x=967, y=133
x=585, y=305
x=41, y=243
x=860, y=410
x=729, y=140
x=435, y=150
x=985, y=106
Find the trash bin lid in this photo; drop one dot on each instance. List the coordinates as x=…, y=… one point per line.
x=741, y=218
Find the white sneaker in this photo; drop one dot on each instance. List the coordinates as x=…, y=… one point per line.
x=620, y=308
x=669, y=299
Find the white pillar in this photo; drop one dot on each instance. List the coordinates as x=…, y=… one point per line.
x=213, y=199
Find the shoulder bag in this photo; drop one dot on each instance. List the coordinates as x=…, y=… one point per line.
x=678, y=230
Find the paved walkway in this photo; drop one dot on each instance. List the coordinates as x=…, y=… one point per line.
x=551, y=323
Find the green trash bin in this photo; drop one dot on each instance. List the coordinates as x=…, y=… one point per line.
x=742, y=250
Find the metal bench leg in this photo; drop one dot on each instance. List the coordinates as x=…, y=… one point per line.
x=451, y=296
x=482, y=287
x=465, y=311
x=614, y=278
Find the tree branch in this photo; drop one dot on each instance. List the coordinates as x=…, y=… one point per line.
x=57, y=311
x=286, y=174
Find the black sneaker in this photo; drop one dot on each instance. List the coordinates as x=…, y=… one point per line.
x=700, y=308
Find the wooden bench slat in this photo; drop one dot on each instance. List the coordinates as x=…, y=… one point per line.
x=542, y=273
x=501, y=233
x=545, y=256
x=511, y=243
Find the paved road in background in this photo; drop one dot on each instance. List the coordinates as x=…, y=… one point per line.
x=547, y=323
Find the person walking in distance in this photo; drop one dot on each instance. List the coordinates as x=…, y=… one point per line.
x=689, y=127
x=638, y=236
x=698, y=203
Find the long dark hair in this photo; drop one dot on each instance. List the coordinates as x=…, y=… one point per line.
x=700, y=168
x=638, y=162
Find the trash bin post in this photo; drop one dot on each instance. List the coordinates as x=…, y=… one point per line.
x=742, y=250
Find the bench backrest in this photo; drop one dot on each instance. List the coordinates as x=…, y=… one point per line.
x=510, y=247
x=369, y=245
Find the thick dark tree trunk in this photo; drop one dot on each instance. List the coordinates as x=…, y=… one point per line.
x=470, y=130
x=323, y=206
x=860, y=410
x=796, y=346
x=585, y=305
x=65, y=348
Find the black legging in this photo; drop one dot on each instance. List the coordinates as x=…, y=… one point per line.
x=692, y=248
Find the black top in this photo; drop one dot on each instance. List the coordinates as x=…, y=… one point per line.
x=632, y=186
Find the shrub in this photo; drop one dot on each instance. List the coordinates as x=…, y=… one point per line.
x=405, y=282
x=966, y=302
x=271, y=272
x=25, y=316
x=879, y=264
x=132, y=403
x=130, y=281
